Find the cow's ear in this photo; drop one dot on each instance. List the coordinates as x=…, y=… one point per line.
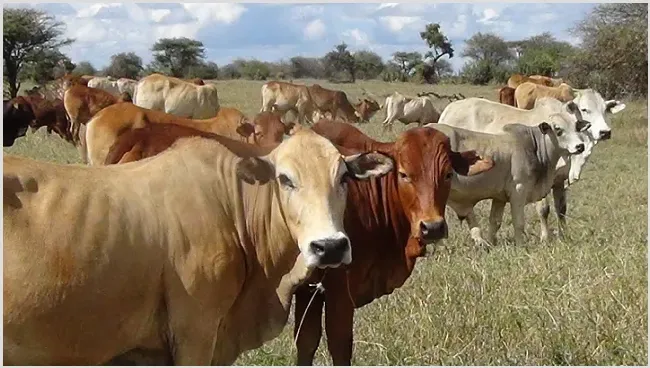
x=255, y=169
x=469, y=163
x=572, y=107
x=614, y=106
x=245, y=129
x=545, y=128
x=368, y=165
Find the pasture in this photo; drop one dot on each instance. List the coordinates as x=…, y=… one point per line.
x=581, y=301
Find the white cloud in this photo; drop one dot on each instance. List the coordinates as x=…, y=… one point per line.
x=158, y=15
x=489, y=15
x=314, y=30
x=227, y=13
x=358, y=37
x=387, y=5
x=306, y=12
x=398, y=23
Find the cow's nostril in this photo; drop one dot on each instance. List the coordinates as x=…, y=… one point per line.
x=317, y=247
x=605, y=134
x=580, y=148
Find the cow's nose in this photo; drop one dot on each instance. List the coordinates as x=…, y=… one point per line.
x=605, y=134
x=435, y=230
x=330, y=252
x=580, y=148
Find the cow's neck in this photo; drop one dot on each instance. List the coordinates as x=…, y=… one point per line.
x=547, y=155
x=273, y=270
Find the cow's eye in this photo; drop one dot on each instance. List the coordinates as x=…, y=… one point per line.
x=344, y=178
x=449, y=175
x=559, y=132
x=403, y=176
x=584, y=110
x=285, y=181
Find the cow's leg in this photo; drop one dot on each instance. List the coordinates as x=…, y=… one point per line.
x=307, y=328
x=517, y=205
x=474, y=229
x=339, y=314
x=559, y=200
x=82, y=148
x=543, y=210
x=496, y=218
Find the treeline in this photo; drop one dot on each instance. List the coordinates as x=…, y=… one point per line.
x=612, y=56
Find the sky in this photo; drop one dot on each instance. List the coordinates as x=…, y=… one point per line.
x=271, y=32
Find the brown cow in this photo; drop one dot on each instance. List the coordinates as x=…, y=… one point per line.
x=44, y=112
x=389, y=221
x=516, y=79
x=334, y=102
x=507, y=96
x=367, y=108
x=82, y=103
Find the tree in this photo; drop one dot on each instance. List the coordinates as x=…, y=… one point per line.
x=488, y=47
x=204, y=70
x=124, y=65
x=440, y=46
x=84, y=68
x=28, y=36
x=252, y=69
x=340, y=59
x=613, y=57
x=229, y=71
x=303, y=67
x=368, y=64
x=541, y=54
x=176, y=55
x=406, y=63
x=50, y=65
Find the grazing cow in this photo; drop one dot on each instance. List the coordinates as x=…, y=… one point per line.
x=525, y=160
x=389, y=220
x=108, y=84
x=527, y=93
x=177, y=97
x=367, y=108
x=409, y=110
x=507, y=96
x=491, y=117
x=136, y=144
x=81, y=104
x=334, y=102
x=104, y=129
x=516, y=79
x=283, y=96
x=17, y=115
x=100, y=262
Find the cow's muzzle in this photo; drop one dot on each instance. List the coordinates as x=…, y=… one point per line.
x=605, y=135
x=331, y=252
x=432, y=231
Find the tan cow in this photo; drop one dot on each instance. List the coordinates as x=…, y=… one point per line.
x=527, y=93
x=367, y=108
x=334, y=102
x=193, y=254
x=516, y=79
x=284, y=97
x=554, y=82
x=105, y=127
x=177, y=97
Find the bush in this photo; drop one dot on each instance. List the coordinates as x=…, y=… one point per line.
x=483, y=72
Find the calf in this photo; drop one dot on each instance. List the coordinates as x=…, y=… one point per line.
x=409, y=110
x=525, y=159
x=389, y=220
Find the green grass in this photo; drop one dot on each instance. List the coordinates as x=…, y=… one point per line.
x=582, y=301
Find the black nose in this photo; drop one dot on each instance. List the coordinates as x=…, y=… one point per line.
x=330, y=251
x=436, y=230
x=580, y=148
x=605, y=134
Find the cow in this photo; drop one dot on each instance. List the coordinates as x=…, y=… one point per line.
x=17, y=115
x=50, y=114
x=126, y=85
x=334, y=102
x=525, y=160
x=108, y=84
x=136, y=144
x=516, y=79
x=283, y=97
x=389, y=220
x=551, y=82
x=409, y=110
x=197, y=81
x=126, y=268
x=527, y=93
x=105, y=127
x=507, y=96
x=81, y=104
x=177, y=97
x=367, y=108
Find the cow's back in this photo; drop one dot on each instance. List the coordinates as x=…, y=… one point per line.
x=177, y=97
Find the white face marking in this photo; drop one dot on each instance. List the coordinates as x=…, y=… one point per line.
x=593, y=109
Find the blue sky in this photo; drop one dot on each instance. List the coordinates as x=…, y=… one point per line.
x=272, y=32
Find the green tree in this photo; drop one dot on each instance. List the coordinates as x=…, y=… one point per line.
x=368, y=64
x=29, y=35
x=487, y=47
x=84, y=68
x=340, y=59
x=541, y=54
x=124, y=65
x=252, y=69
x=177, y=55
x=203, y=70
x=304, y=67
x=439, y=45
x=406, y=62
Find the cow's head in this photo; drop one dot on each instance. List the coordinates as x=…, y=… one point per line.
x=346, y=110
x=425, y=165
x=267, y=129
x=594, y=109
x=567, y=133
x=366, y=108
x=311, y=178
x=17, y=116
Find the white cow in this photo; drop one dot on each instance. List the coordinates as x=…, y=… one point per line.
x=177, y=97
x=108, y=84
x=126, y=85
x=409, y=110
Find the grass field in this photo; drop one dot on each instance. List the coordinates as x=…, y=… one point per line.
x=581, y=301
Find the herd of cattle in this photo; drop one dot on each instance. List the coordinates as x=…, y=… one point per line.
x=192, y=227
